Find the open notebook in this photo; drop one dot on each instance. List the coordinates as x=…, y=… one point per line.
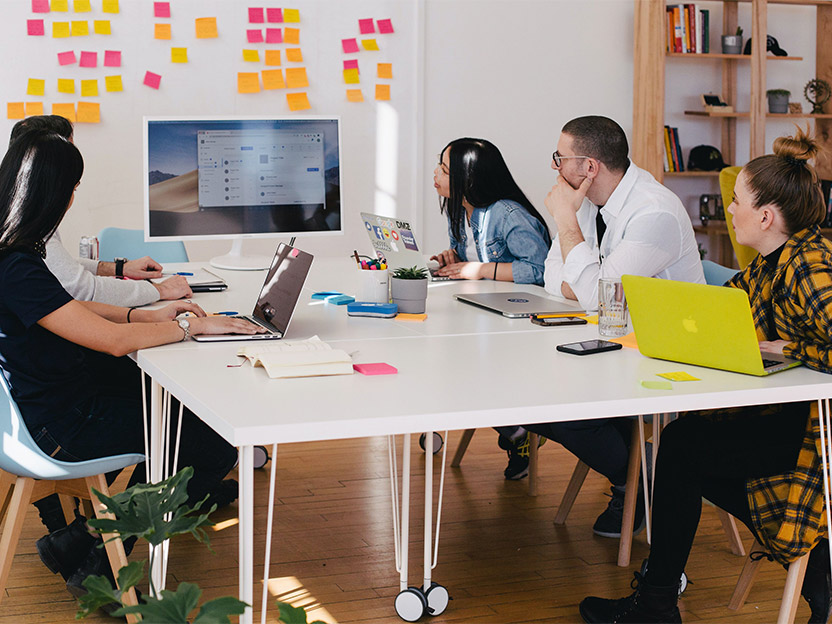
x=298, y=358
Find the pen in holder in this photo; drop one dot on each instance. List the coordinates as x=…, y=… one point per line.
x=373, y=286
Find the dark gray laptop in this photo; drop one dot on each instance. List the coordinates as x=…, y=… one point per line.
x=520, y=304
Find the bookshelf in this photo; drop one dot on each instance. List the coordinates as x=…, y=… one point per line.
x=650, y=57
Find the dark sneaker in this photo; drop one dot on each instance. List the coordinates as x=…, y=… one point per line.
x=518, y=455
x=608, y=523
x=62, y=551
x=646, y=605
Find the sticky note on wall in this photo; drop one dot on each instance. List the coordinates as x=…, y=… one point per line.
x=112, y=58
x=152, y=80
x=350, y=46
x=385, y=26
x=36, y=86
x=296, y=78
x=382, y=92
x=109, y=6
x=297, y=101
x=291, y=35
x=206, y=28
x=369, y=44
x=67, y=58
x=385, y=70
x=251, y=56
x=273, y=57
x=34, y=108
x=101, y=27
x=113, y=84
x=35, y=28
x=179, y=55
x=351, y=76
x=89, y=88
x=294, y=55
x=89, y=112
x=248, y=82
x=254, y=35
x=66, y=110
x=273, y=79
x=40, y=6
x=355, y=95
x=255, y=15
x=81, y=6
x=274, y=35
x=366, y=26
x=161, y=9
x=15, y=110
x=89, y=59
x=291, y=16
x=274, y=16
x=60, y=30
x=80, y=28
x=161, y=31
x=66, y=85
x=60, y=6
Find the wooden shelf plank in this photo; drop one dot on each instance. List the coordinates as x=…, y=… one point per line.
x=737, y=57
x=802, y=115
x=702, y=113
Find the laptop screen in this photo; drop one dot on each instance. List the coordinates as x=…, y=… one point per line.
x=282, y=287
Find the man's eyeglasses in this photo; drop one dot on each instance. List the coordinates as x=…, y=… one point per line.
x=558, y=158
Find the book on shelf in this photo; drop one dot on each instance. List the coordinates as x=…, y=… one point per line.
x=677, y=150
x=298, y=358
x=668, y=154
x=673, y=150
x=687, y=29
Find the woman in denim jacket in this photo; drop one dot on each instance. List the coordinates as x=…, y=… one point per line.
x=510, y=237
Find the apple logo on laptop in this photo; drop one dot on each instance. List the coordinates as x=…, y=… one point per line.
x=690, y=325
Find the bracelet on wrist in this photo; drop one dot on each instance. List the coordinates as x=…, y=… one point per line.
x=496, y=264
x=129, y=312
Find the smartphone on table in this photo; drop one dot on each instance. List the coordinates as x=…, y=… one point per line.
x=557, y=321
x=588, y=347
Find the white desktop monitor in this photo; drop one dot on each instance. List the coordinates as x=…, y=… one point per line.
x=241, y=177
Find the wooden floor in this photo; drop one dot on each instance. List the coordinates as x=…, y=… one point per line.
x=500, y=556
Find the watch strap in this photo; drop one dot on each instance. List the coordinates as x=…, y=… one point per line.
x=120, y=266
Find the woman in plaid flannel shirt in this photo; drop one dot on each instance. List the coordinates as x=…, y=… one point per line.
x=761, y=464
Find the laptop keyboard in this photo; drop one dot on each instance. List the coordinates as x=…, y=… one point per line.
x=767, y=363
x=246, y=318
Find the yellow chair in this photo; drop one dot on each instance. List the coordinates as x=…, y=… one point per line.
x=727, y=179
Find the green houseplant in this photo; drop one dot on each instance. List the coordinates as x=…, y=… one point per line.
x=778, y=100
x=409, y=289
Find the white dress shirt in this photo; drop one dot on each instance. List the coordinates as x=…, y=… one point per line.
x=648, y=233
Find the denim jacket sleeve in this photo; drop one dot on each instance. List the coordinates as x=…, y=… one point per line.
x=458, y=245
x=524, y=242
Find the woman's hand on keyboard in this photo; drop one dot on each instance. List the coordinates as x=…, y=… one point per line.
x=224, y=325
x=168, y=313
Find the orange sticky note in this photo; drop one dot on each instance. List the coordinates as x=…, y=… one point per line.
x=385, y=70
x=36, y=86
x=113, y=84
x=89, y=112
x=206, y=27
x=109, y=6
x=82, y=6
x=297, y=101
x=66, y=85
x=291, y=35
x=64, y=110
x=80, y=28
x=60, y=6
x=101, y=27
x=291, y=15
x=89, y=88
x=351, y=76
x=248, y=82
x=382, y=91
x=34, y=108
x=355, y=95
x=294, y=55
x=272, y=57
x=179, y=55
x=273, y=79
x=15, y=110
x=369, y=44
x=60, y=29
x=161, y=31
x=252, y=56
x=296, y=77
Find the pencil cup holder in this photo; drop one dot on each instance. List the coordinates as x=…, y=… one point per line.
x=373, y=286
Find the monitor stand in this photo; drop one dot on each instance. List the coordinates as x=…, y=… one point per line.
x=234, y=260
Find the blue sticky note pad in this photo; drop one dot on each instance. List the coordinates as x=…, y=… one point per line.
x=378, y=310
x=340, y=299
x=325, y=294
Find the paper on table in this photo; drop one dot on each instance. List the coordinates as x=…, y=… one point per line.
x=678, y=376
x=377, y=368
x=402, y=316
x=627, y=341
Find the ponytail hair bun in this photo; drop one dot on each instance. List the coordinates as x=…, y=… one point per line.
x=797, y=149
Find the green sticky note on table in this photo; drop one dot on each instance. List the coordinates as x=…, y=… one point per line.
x=678, y=376
x=657, y=385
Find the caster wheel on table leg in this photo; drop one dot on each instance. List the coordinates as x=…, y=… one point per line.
x=261, y=456
x=437, y=597
x=411, y=604
x=437, y=442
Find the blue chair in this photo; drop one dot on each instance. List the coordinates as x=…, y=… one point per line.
x=121, y=243
x=716, y=274
x=29, y=474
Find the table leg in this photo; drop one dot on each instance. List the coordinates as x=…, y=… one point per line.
x=155, y=458
x=428, y=508
x=245, y=470
x=825, y=455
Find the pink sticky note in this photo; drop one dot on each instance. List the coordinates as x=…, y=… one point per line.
x=365, y=26
x=255, y=36
x=40, y=6
x=385, y=26
x=152, y=80
x=88, y=59
x=274, y=16
x=349, y=45
x=351, y=64
x=66, y=58
x=274, y=35
x=161, y=9
x=34, y=28
x=112, y=58
x=378, y=368
x=255, y=15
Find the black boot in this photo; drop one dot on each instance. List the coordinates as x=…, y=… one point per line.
x=817, y=584
x=648, y=604
x=62, y=551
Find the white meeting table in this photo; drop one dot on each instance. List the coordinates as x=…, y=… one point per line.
x=462, y=368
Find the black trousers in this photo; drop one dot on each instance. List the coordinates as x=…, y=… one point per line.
x=712, y=455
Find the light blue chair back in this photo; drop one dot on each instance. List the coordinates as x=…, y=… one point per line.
x=716, y=274
x=130, y=244
x=20, y=456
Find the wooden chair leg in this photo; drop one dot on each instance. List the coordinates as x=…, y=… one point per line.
x=533, y=463
x=575, y=483
x=6, y=487
x=16, y=516
x=729, y=525
x=464, y=441
x=791, y=593
x=749, y=571
x=625, y=546
x=68, y=507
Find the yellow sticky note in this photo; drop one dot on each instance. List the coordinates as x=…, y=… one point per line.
x=59, y=6
x=89, y=112
x=37, y=86
x=109, y=6
x=89, y=88
x=64, y=110
x=82, y=6
x=297, y=101
x=592, y=319
x=161, y=31
x=296, y=77
x=66, y=85
x=252, y=56
x=410, y=317
x=34, y=108
x=206, y=27
x=15, y=110
x=101, y=27
x=179, y=55
x=382, y=91
x=273, y=79
x=678, y=376
x=291, y=16
x=355, y=95
x=80, y=28
x=60, y=29
x=248, y=82
x=291, y=35
x=627, y=340
x=351, y=76
x=272, y=57
x=369, y=44
x=294, y=55
x=385, y=70
x=113, y=84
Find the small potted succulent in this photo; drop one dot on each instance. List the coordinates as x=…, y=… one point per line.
x=778, y=100
x=732, y=44
x=409, y=289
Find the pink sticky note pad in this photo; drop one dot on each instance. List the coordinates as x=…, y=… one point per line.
x=40, y=6
x=351, y=64
x=88, y=59
x=112, y=58
x=385, y=26
x=274, y=35
x=349, y=45
x=255, y=36
x=152, y=80
x=255, y=15
x=274, y=16
x=365, y=26
x=66, y=58
x=34, y=28
x=161, y=9
x=378, y=368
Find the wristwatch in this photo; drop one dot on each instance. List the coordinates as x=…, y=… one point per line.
x=185, y=326
x=120, y=266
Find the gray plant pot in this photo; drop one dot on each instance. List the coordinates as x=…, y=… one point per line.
x=732, y=44
x=409, y=295
x=778, y=103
